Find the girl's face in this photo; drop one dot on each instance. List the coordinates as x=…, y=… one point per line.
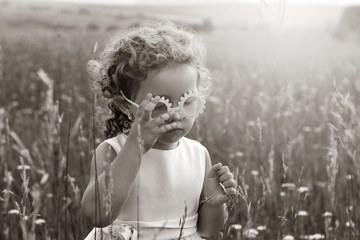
x=171, y=82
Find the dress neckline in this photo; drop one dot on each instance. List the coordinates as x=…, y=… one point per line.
x=162, y=150
x=168, y=150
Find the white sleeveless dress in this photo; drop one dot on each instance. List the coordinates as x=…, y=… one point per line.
x=169, y=181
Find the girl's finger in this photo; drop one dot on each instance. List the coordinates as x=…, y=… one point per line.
x=146, y=116
x=230, y=183
x=226, y=176
x=161, y=119
x=142, y=105
x=213, y=171
x=161, y=130
x=231, y=191
x=222, y=170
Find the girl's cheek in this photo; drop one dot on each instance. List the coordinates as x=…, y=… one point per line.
x=190, y=121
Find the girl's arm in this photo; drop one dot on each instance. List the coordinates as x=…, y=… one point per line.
x=213, y=198
x=124, y=166
x=124, y=170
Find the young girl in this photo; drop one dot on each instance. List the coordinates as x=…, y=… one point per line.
x=155, y=81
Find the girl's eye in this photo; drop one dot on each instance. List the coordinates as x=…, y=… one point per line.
x=189, y=101
x=160, y=106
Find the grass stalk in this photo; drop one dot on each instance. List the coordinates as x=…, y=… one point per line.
x=66, y=179
x=66, y=175
x=140, y=143
x=182, y=222
x=348, y=199
x=97, y=194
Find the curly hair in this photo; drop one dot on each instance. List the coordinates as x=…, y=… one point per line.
x=130, y=55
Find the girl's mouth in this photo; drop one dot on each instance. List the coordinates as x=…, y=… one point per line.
x=175, y=130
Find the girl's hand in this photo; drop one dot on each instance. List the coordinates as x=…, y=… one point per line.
x=150, y=128
x=220, y=185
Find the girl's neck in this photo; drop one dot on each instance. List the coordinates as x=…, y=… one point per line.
x=165, y=146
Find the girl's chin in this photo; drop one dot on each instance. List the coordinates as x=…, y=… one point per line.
x=169, y=139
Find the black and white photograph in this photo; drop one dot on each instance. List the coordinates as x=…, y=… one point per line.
x=179, y=119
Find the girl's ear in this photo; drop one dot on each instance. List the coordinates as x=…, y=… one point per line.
x=125, y=107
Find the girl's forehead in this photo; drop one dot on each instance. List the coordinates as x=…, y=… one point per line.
x=172, y=80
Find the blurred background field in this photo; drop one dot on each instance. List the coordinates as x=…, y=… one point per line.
x=283, y=113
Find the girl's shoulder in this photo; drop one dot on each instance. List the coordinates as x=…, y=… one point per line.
x=117, y=142
x=193, y=144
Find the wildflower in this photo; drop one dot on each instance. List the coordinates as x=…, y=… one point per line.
x=303, y=189
x=6, y=191
x=23, y=167
x=239, y=154
x=288, y=186
x=288, y=237
x=236, y=227
x=261, y=228
x=349, y=177
x=349, y=208
x=82, y=153
x=327, y=215
x=98, y=140
x=317, y=236
x=39, y=221
x=44, y=178
x=302, y=214
x=350, y=224
x=255, y=173
x=14, y=212
x=251, y=233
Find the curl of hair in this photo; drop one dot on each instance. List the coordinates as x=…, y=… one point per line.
x=127, y=59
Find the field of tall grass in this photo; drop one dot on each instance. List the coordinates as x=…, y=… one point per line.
x=283, y=115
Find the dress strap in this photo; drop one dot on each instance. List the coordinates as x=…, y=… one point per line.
x=116, y=142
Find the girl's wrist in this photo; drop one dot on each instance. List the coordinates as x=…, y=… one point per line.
x=209, y=204
x=132, y=145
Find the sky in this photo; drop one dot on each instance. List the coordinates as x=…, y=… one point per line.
x=177, y=2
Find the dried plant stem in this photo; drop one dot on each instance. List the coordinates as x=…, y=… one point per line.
x=108, y=185
x=354, y=201
x=2, y=82
x=66, y=184
x=66, y=174
x=97, y=194
x=182, y=222
x=349, y=208
x=354, y=209
x=140, y=143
